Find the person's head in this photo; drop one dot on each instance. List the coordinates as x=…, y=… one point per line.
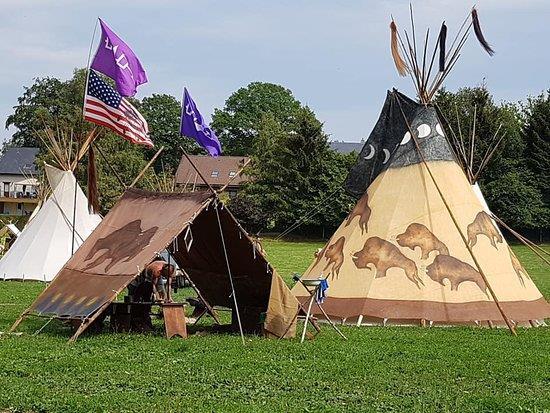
x=168, y=270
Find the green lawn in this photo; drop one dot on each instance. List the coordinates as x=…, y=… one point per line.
x=377, y=369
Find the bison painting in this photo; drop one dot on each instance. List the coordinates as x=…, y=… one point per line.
x=456, y=271
x=518, y=268
x=384, y=255
x=483, y=225
x=418, y=235
x=122, y=245
x=335, y=256
x=362, y=211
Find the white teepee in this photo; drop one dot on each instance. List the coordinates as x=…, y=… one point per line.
x=44, y=246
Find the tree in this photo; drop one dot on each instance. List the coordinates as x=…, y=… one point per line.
x=47, y=102
x=295, y=176
x=163, y=114
x=237, y=124
x=507, y=183
x=58, y=103
x=537, y=137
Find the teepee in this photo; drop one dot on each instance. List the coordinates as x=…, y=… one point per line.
x=46, y=244
x=48, y=240
x=421, y=245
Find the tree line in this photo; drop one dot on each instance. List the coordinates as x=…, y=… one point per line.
x=296, y=176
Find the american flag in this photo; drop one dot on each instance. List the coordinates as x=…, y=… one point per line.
x=106, y=107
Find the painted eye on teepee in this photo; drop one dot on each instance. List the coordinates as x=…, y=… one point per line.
x=424, y=130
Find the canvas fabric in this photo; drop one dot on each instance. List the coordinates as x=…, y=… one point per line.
x=399, y=255
x=45, y=244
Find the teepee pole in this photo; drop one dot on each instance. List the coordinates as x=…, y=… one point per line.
x=535, y=248
x=453, y=218
x=153, y=159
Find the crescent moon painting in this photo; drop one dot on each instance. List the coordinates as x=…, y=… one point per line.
x=371, y=152
x=387, y=155
x=406, y=138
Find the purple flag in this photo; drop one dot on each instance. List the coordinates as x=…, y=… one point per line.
x=193, y=126
x=115, y=59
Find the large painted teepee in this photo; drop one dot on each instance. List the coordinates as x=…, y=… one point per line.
x=421, y=245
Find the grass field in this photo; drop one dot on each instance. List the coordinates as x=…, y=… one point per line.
x=386, y=369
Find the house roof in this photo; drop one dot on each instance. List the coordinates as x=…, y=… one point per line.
x=346, y=147
x=217, y=171
x=18, y=161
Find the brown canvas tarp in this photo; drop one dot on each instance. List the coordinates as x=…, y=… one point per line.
x=141, y=225
x=135, y=230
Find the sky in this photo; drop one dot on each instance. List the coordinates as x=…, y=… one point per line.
x=333, y=55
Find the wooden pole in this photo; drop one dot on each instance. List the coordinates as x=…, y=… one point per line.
x=199, y=172
x=153, y=159
x=210, y=309
x=115, y=173
x=523, y=240
x=453, y=218
x=233, y=178
x=229, y=272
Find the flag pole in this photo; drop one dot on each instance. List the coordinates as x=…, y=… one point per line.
x=83, y=104
x=88, y=66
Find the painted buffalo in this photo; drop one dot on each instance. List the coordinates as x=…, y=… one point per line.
x=335, y=256
x=518, y=268
x=483, y=225
x=121, y=245
x=384, y=255
x=456, y=271
x=418, y=235
x=362, y=211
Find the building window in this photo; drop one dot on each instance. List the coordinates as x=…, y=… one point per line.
x=232, y=174
x=6, y=189
x=215, y=174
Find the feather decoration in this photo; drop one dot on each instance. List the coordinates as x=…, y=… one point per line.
x=93, y=193
x=400, y=64
x=442, y=40
x=479, y=33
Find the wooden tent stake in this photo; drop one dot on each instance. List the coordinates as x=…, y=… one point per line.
x=497, y=302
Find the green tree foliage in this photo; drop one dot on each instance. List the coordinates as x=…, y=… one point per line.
x=508, y=183
x=49, y=101
x=537, y=137
x=294, y=175
x=238, y=123
x=163, y=114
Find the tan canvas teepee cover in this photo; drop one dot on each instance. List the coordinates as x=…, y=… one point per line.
x=399, y=255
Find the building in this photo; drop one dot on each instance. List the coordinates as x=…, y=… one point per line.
x=346, y=147
x=218, y=172
x=18, y=183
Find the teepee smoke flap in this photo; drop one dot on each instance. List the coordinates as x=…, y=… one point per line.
x=479, y=33
x=400, y=64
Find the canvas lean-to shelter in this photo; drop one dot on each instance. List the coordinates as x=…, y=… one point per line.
x=420, y=245
x=46, y=243
x=141, y=225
